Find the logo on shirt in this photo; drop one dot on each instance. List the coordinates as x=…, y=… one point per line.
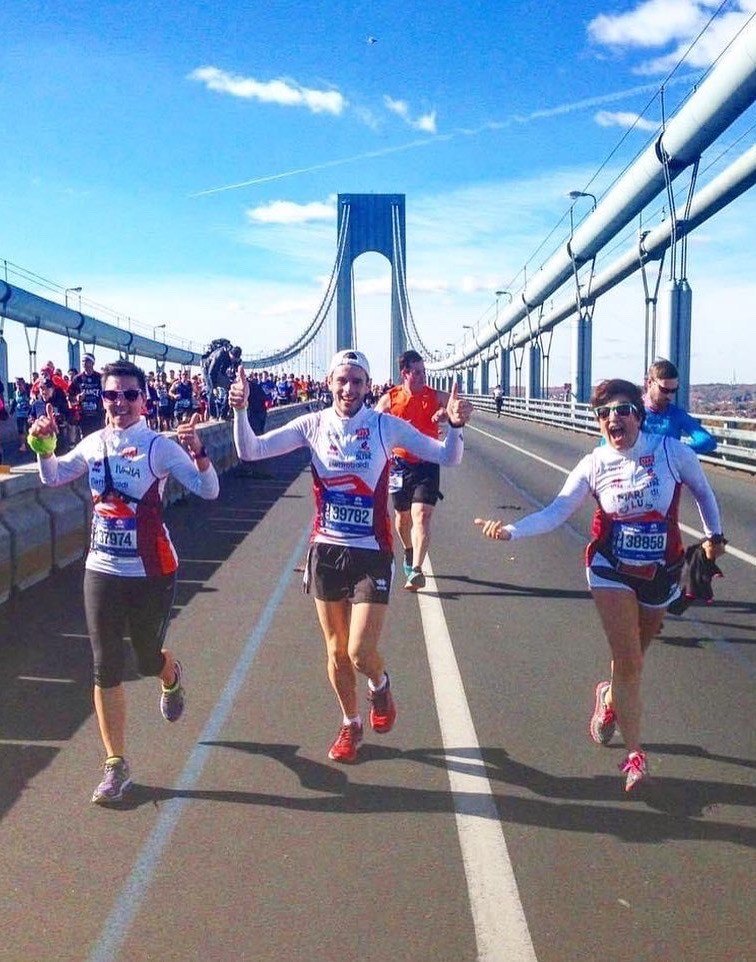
x=362, y=433
x=646, y=460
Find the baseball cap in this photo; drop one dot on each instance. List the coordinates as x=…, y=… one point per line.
x=349, y=356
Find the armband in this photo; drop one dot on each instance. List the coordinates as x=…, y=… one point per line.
x=42, y=445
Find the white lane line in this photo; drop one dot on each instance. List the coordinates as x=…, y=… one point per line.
x=735, y=552
x=501, y=930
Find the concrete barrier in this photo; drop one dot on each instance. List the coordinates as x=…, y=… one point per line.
x=30, y=527
x=42, y=528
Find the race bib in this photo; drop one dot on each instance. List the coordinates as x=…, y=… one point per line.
x=116, y=537
x=396, y=482
x=639, y=542
x=349, y=514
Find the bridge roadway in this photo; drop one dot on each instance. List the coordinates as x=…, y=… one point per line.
x=241, y=840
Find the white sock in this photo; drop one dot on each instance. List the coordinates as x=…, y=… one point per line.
x=352, y=721
x=379, y=687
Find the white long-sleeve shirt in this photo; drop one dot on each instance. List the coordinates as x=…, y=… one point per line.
x=351, y=458
x=637, y=492
x=127, y=473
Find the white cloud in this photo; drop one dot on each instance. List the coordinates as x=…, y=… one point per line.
x=285, y=93
x=623, y=118
x=660, y=23
x=288, y=212
x=652, y=23
x=425, y=122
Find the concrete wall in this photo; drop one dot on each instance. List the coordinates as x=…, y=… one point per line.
x=43, y=528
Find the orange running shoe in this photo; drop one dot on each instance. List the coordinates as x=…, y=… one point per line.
x=382, y=708
x=348, y=740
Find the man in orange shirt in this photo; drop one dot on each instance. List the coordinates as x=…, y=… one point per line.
x=414, y=484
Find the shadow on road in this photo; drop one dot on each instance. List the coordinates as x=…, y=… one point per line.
x=562, y=803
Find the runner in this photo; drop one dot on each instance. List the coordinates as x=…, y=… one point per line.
x=664, y=417
x=635, y=555
x=414, y=483
x=130, y=574
x=498, y=396
x=86, y=391
x=350, y=561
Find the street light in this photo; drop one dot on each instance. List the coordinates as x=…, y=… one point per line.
x=156, y=328
x=72, y=290
x=574, y=194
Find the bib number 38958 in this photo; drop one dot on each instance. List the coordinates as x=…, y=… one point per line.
x=640, y=542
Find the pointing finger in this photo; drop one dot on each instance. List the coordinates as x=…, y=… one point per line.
x=50, y=410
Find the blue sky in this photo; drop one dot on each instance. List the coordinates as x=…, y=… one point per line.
x=129, y=126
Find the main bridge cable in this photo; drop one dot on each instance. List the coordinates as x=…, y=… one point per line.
x=665, y=82
x=314, y=327
x=408, y=321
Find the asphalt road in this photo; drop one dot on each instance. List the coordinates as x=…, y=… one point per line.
x=485, y=826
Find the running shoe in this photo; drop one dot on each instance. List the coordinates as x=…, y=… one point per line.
x=604, y=720
x=114, y=783
x=382, y=709
x=415, y=580
x=172, y=699
x=348, y=740
x=635, y=768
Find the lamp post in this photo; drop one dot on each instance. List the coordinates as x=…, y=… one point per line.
x=573, y=195
x=156, y=328
x=72, y=290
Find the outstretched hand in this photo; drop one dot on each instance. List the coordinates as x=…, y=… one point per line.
x=238, y=393
x=493, y=529
x=459, y=410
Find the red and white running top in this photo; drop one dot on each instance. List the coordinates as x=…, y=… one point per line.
x=638, y=494
x=127, y=473
x=351, y=458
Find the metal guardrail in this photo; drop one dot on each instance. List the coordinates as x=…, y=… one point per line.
x=736, y=437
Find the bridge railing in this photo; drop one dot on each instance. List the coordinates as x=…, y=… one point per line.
x=736, y=437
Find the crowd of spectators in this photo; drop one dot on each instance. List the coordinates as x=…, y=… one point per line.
x=172, y=397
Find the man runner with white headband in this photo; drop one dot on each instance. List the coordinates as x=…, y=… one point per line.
x=350, y=561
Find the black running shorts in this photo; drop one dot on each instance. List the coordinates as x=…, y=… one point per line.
x=337, y=573
x=419, y=483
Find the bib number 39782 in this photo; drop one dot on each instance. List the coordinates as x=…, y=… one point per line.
x=348, y=514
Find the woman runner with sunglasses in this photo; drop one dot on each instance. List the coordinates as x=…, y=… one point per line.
x=130, y=575
x=635, y=555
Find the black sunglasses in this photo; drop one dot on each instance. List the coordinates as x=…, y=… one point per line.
x=666, y=390
x=624, y=410
x=131, y=394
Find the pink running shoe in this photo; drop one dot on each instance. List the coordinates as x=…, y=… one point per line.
x=603, y=722
x=635, y=768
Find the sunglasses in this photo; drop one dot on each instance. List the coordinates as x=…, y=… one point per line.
x=624, y=410
x=131, y=394
x=666, y=390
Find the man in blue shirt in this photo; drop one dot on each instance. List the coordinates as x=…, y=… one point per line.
x=664, y=417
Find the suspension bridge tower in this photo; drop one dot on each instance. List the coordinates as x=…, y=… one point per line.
x=371, y=222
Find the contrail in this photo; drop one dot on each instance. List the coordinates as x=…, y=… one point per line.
x=413, y=144
x=455, y=134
